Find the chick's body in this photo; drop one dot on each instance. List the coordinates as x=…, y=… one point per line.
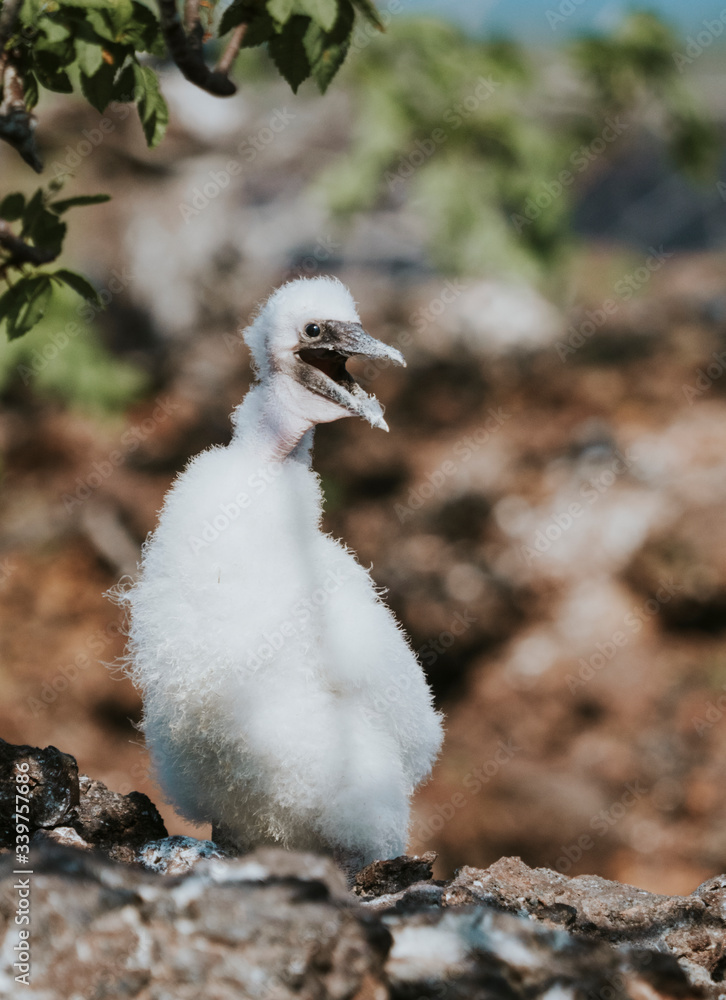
x=282, y=701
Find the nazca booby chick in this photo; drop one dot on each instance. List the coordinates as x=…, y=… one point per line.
x=282, y=701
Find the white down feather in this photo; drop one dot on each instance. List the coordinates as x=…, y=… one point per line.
x=282, y=701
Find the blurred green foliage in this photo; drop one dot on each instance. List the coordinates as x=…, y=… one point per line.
x=468, y=133
x=62, y=357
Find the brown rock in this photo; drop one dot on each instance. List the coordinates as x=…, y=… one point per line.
x=387, y=877
x=113, y=821
x=691, y=929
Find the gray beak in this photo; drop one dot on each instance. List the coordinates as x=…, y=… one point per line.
x=322, y=369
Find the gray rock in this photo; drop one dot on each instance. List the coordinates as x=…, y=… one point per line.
x=690, y=929
x=275, y=925
x=271, y=925
x=479, y=953
x=177, y=855
x=53, y=792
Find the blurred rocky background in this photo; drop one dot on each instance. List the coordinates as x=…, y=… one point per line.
x=544, y=240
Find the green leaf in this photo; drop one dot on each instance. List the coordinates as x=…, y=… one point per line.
x=121, y=15
x=101, y=24
x=42, y=226
x=145, y=33
x=323, y=12
x=98, y=89
x=31, y=90
x=259, y=30
x=80, y=285
x=281, y=10
x=288, y=51
x=369, y=12
x=53, y=31
x=32, y=211
x=82, y=199
x=89, y=56
x=12, y=206
x=260, y=25
x=237, y=12
x=326, y=51
x=125, y=83
x=153, y=112
x=24, y=304
x=51, y=73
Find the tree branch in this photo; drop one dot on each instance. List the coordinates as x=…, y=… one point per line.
x=8, y=17
x=17, y=124
x=191, y=15
x=20, y=251
x=186, y=51
x=230, y=53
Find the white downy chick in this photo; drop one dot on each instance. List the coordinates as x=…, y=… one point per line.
x=282, y=701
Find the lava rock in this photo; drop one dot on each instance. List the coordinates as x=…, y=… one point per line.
x=689, y=929
x=276, y=924
x=117, y=823
x=271, y=924
x=478, y=953
x=54, y=788
x=388, y=877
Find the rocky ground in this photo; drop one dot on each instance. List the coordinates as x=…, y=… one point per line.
x=116, y=907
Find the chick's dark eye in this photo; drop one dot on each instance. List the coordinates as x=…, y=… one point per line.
x=312, y=330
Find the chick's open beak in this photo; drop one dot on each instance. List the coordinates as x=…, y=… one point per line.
x=323, y=370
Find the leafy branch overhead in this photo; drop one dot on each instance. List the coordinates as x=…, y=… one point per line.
x=39, y=242
x=94, y=46
x=105, y=50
